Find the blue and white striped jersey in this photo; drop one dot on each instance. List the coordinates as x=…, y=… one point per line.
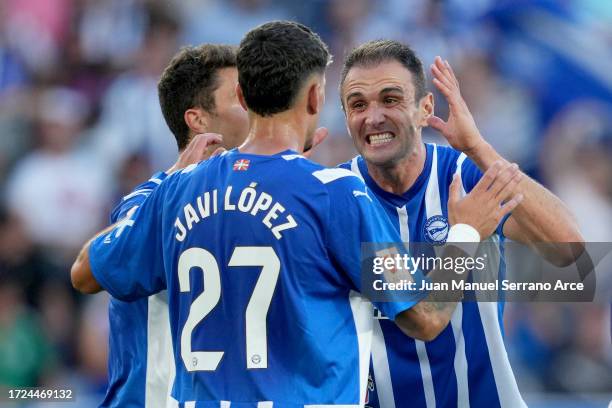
x=467, y=364
x=140, y=361
x=261, y=257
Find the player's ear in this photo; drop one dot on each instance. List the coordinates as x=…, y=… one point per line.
x=241, y=97
x=426, y=109
x=315, y=98
x=196, y=120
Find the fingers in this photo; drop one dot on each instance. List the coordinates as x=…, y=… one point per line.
x=502, y=181
x=442, y=77
x=319, y=136
x=511, y=188
x=447, y=71
x=445, y=80
x=218, y=151
x=510, y=205
x=488, y=178
x=437, y=123
x=454, y=192
x=203, y=140
x=202, y=144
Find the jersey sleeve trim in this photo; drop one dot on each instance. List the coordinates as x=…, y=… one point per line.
x=326, y=176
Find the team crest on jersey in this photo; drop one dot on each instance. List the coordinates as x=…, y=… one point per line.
x=241, y=165
x=436, y=229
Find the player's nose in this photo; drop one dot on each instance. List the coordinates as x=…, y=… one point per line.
x=374, y=116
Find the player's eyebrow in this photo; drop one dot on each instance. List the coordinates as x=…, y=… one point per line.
x=392, y=89
x=355, y=94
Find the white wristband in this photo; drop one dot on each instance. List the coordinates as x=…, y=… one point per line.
x=462, y=234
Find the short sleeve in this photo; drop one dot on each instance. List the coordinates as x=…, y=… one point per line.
x=127, y=261
x=137, y=196
x=357, y=217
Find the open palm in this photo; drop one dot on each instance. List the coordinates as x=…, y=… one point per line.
x=459, y=129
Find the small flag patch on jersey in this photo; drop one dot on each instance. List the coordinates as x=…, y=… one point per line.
x=241, y=165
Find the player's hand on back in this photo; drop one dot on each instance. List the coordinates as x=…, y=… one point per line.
x=492, y=198
x=319, y=136
x=201, y=147
x=459, y=129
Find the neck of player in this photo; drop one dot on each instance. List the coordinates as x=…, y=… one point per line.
x=277, y=133
x=398, y=177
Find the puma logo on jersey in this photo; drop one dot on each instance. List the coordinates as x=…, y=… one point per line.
x=358, y=193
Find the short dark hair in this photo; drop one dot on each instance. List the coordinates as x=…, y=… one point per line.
x=274, y=60
x=374, y=52
x=189, y=81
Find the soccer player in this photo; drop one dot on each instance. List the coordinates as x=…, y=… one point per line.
x=259, y=248
x=386, y=105
x=197, y=95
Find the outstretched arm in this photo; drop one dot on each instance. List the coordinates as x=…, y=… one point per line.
x=198, y=149
x=541, y=217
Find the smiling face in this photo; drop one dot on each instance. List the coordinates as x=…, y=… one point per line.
x=382, y=115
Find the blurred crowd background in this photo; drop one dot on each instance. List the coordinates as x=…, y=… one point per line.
x=80, y=126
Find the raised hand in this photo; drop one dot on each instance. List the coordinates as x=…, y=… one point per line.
x=199, y=148
x=489, y=201
x=459, y=129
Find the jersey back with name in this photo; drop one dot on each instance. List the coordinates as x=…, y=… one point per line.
x=467, y=364
x=260, y=256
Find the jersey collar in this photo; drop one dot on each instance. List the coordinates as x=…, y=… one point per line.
x=402, y=199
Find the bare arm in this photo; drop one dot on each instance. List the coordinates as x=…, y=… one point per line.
x=541, y=217
x=81, y=275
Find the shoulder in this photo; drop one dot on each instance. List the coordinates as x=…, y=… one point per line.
x=451, y=161
x=353, y=165
x=448, y=158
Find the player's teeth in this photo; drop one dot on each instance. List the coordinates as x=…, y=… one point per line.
x=380, y=138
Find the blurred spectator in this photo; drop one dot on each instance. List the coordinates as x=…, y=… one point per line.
x=59, y=190
x=36, y=30
x=536, y=74
x=25, y=354
x=131, y=120
x=503, y=111
x=576, y=160
x=92, y=341
x=227, y=21
x=111, y=31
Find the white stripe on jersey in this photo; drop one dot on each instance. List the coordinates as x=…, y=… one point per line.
x=265, y=404
x=155, y=180
x=507, y=390
x=355, y=167
x=225, y=404
x=328, y=175
x=432, y=207
x=380, y=365
x=460, y=361
x=144, y=191
x=380, y=360
x=362, y=316
x=160, y=361
x=333, y=406
x=190, y=404
x=432, y=194
x=292, y=156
